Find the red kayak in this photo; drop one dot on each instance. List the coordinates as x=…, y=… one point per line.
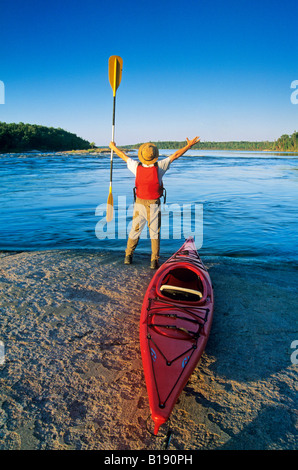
x=175, y=324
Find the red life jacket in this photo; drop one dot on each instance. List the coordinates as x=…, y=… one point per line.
x=147, y=182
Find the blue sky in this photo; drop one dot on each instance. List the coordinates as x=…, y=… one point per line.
x=218, y=69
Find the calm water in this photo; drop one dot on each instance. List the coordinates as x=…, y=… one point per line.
x=249, y=200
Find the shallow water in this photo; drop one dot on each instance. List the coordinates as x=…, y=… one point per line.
x=248, y=201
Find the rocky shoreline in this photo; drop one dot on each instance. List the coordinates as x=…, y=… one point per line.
x=72, y=376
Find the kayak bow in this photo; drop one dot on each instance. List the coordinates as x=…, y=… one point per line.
x=175, y=324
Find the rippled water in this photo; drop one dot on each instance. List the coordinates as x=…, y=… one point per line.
x=249, y=202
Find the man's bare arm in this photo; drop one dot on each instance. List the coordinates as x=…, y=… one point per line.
x=182, y=151
x=118, y=151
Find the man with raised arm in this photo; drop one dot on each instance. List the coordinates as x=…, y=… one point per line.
x=149, y=189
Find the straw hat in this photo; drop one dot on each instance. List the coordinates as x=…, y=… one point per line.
x=148, y=153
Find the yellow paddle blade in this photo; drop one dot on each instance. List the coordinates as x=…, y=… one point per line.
x=110, y=205
x=115, y=72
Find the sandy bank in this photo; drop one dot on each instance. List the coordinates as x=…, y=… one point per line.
x=72, y=376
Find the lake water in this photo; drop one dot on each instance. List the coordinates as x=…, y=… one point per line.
x=248, y=201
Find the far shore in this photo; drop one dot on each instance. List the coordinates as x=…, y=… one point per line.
x=106, y=150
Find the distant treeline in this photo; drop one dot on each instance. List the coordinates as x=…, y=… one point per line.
x=284, y=143
x=21, y=137
x=24, y=137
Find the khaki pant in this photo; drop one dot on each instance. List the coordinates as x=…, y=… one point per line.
x=145, y=211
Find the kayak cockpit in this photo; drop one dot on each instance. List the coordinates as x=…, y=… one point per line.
x=182, y=284
x=181, y=293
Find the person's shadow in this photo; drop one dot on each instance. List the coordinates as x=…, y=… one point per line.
x=252, y=326
x=273, y=428
x=250, y=343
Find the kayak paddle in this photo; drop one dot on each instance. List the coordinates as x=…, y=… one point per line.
x=115, y=73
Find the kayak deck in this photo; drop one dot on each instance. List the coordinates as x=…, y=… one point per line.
x=175, y=324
